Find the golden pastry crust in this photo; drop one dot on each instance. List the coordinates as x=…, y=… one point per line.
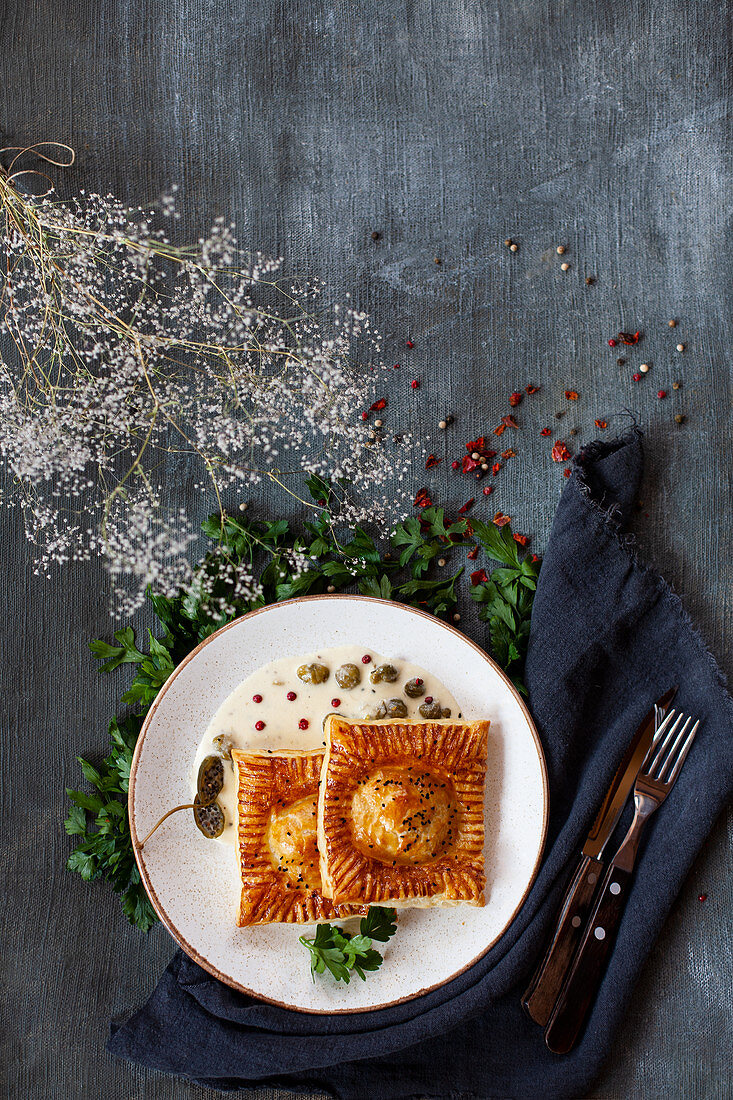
x=278, y=853
x=401, y=812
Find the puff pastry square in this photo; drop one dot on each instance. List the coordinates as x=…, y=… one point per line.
x=278, y=852
x=401, y=812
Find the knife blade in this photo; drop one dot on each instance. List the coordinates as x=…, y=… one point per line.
x=540, y=996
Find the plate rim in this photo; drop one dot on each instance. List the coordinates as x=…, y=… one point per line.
x=150, y=890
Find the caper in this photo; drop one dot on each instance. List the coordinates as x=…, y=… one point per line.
x=446, y=712
x=313, y=674
x=415, y=688
x=392, y=708
x=431, y=710
x=384, y=672
x=209, y=819
x=348, y=676
x=224, y=744
x=210, y=780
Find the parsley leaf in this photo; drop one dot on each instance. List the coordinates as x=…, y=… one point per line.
x=338, y=951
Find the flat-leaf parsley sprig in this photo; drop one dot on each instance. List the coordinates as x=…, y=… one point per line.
x=338, y=951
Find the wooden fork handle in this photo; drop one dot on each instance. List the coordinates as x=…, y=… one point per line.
x=589, y=964
x=544, y=989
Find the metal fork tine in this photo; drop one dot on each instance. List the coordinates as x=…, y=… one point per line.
x=652, y=768
x=661, y=730
x=669, y=760
x=683, y=753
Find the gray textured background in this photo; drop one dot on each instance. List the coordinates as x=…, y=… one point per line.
x=447, y=125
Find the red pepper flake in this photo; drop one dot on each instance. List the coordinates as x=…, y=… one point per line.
x=567, y=472
x=500, y=429
x=478, y=577
x=546, y=431
x=469, y=531
x=465, y=507
x=414, y=383
x=560, y=452
x=531, y=389
x=534, y=557
x=432, y=461
x=378, y=405
x=612, y=343
x=454, y=465
x=469, y=464
x=508, y=453
x=509, y=421
x=495, y=468
x=501, y=520
x=602, y=424
x=409, y=344
x=396, y=366
x=521, y=539
x=365, y=416
x=488, y=490
x=515, y=398
x=571, y=395
x=662, y=394
x=476, y=445
x=473, y=554
x=422, y=499
x=629, y=338
x=636, y=377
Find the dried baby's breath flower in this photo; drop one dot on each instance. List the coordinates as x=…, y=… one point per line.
x=124, y=354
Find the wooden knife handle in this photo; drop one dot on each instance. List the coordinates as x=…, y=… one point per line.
x=544, y=989
x=589, y=965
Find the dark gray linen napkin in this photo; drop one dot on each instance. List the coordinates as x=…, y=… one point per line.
x=608, y=637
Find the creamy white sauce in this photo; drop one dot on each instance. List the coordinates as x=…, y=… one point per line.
x=236, y=718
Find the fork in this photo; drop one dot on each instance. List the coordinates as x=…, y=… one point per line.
x=655, y=780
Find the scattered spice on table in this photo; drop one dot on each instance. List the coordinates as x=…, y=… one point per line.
x=521, y=539
x=602, y=424
x=432, y=461
x=422, y=499
x=409, y=344
x=571, y=395
x=546, y=431
x=467, y=506
x=377, y=406
x=478, y=577
x=560, y=452
x=414, y=383
x=501, y=520
x=515, y=399
x=567, y=472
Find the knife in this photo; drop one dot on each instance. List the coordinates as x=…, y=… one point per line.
x=540, y=996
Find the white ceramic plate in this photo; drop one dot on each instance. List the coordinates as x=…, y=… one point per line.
x=193, y=882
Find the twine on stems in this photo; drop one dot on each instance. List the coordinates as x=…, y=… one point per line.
x=12, y=174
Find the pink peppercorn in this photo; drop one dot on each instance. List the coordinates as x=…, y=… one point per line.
x=414, y=383
x=303, y=724
x=612, y=343
x=661, y=394
x=409, y=343
x=335, y=702
x=259, y=725
x=454, y=465
x=488, y=490
x=365, y=416
x=636, y=377
x=366, y=659
x=396, y=366
x=291, y=695
x=702, y=897
x=256, y=698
